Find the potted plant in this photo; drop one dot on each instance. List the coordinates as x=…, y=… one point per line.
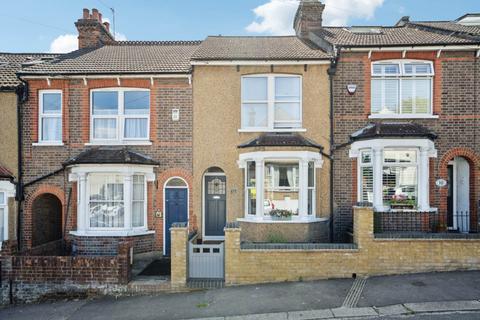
x=401, y=201
x=281, y=214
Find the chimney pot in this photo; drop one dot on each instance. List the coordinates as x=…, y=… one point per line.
x=100, y=17
x=95, y=14
x=86, y=13
x=107, y=25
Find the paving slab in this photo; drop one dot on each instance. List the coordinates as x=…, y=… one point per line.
x=422, y=287
x=354, y=312
x=265, y=316
x=468, y=305
x=310, y=315
x=45, y=311
x=393, y=310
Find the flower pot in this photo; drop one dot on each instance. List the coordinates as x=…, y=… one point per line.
x=276, y=218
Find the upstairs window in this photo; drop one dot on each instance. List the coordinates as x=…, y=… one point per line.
x=402, y=87
x=50, y=116
x=120, y=115
x=271, y=102
x=3, y=217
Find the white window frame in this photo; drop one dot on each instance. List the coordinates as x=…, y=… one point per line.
x=271, y=104
x=42, y=115
x=362, y=165
x=8, y=190
x=82, y=174
x=4, y=206
x=403, y=165
x=262, y=157
x=425, y=150
x=120, y=118
x=402, y=75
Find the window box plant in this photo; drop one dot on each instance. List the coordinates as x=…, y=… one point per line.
x=281, y=214
x=402, y=202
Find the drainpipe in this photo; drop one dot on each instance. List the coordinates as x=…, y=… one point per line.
x=22, y=95
x=331, y=73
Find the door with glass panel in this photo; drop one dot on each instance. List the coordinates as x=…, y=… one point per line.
x=215, y=206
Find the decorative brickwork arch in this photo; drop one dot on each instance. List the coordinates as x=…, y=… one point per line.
x=44, y=208
x=474, y=161
x=157, y=222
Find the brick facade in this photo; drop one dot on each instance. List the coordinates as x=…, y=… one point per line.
x=171, y=144
x=456, y=92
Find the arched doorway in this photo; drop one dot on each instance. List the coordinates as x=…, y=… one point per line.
x=175, y=207
x=214, y=204
x=47, y=219
x=458, y=200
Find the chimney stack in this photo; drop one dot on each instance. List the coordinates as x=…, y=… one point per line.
x=92, y=32
x=308, y=17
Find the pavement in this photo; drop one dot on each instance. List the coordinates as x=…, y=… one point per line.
x=452, y=295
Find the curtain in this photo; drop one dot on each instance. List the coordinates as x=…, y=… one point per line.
x=104, y=128
x=291, y=183
x=51, y=129
x=136, y=128
x=276, y=176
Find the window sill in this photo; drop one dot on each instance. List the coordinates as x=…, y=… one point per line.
x=273, y=130
x=119, y=143
x=112, y=233
x=403, y=116
x=48, y=144
x=294, y=220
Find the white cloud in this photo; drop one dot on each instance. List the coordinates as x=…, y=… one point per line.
x=64, y=43
x=276, y=16
x=339, y=12
x=120, y=36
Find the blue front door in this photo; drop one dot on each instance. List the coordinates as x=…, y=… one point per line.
x=176, y=210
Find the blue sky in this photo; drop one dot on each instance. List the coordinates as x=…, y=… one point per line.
x=32, y=25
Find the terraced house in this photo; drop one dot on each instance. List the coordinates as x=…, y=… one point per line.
x=107, y=143
x=334, y=152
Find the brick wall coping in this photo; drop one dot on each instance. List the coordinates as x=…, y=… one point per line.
x=178, y=225
x=232, y=225
x=426, y=236
x=298, y=246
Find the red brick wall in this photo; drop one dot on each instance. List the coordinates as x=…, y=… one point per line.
x=456, y=96
x=171, y=143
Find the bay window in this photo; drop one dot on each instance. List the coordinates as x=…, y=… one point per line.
x=394, y=174
x=271, y=102
x=402, y=87
x=112, y=200
x=120, y=115
x=50, y=117
x=283, y=181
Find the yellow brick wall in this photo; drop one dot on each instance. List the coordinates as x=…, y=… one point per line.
x=373, y=257
x=179, y=242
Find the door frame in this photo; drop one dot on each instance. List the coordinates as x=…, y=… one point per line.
x=165, y=207
x=210, y=174
x=453, y=162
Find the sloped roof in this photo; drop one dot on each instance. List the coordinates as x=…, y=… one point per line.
x=124, y=57
x=11, y=63
x=280, y=140
x=393, y=130
x=258, y=48
x=453, y=26
x=5, y=173
x=390, y=36
x=112, y=155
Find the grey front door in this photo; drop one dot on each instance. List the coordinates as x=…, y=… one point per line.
x=215, y=205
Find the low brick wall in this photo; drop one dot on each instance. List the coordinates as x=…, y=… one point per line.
x=287, y=232
x=108, y=246
x=370, y=256
x=29, y=278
